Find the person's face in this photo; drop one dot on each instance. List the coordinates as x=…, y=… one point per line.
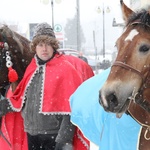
x=44, y=51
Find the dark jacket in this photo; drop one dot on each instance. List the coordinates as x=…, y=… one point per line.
x=37, y=123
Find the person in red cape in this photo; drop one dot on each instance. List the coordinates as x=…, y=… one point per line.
x=42, y=97
x=85, y=71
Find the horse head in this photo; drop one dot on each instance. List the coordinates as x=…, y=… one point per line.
x=130, y=70
x=18, y=49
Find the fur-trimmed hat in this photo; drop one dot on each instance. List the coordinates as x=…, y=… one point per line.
x=43, y=29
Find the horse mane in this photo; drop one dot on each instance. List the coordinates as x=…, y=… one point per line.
x=142, y=17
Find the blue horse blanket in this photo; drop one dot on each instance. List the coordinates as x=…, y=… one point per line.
x=100, y=127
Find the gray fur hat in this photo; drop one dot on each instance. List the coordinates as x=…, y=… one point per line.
x=43, y=29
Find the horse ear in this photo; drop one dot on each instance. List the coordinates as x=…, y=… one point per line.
x=126, y=11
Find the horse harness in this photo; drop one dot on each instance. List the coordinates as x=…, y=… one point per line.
x=138, y=98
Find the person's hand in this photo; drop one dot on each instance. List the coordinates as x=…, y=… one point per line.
x=63, y=146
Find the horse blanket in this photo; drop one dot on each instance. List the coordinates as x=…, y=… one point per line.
x=100, y=127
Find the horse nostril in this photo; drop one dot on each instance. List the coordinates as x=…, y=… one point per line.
x=112, y=100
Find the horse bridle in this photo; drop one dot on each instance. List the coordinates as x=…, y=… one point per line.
x=145, y=84
x=138, y=98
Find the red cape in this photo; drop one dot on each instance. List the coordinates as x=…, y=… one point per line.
x=12, y=125
x=84, y=70
x=59, y=76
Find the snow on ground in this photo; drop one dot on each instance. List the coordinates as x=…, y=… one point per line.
x=93, y=146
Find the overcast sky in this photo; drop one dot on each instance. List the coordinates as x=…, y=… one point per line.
x=22, y=12
x=37, y=11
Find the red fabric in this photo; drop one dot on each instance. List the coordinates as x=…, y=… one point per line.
x=2, y=44
x=12, y=124
x=84, y=70
x=80, y=142
x=59, y=77
x=13, y=130
x=12, y=75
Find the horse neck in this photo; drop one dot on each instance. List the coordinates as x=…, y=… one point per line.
x=19, y=65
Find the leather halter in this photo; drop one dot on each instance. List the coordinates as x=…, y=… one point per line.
x=128, y=67
x=145, y=104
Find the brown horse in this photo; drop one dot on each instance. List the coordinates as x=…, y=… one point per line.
x=14, y=52
x=18, y=47
x=127, y=88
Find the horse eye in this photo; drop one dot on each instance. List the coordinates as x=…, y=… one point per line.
x=144, y=48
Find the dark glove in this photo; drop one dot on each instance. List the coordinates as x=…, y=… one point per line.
x=63, y=146
x=4, y=107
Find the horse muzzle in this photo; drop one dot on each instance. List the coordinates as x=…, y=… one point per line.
x=111, y=103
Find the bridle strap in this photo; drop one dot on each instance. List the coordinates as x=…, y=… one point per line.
x=142, y=103
x=139, y=97
x=128, y=67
